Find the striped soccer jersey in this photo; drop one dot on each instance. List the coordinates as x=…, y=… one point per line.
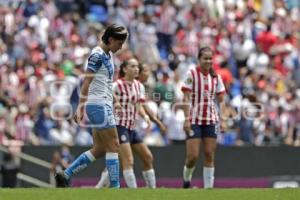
x=129, y=94
x=203, y=88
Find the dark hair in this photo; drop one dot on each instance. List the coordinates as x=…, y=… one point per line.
x=115, y=31
x=7, y=157
x=200, y=53
x=121, y=70
x=141, y=67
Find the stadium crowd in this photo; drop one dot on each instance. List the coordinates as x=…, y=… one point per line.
x=44, y=46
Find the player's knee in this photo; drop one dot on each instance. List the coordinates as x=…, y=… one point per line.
x=117, y=143
x=113, y=145
x=148, y=159
x=130, y=162
x=191, y=159
x=209, y=156
x=127, y=163
x=97, y=152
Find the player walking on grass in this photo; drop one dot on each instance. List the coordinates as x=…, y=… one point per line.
x=201, y=87
x=96, y=96
x=131, y=95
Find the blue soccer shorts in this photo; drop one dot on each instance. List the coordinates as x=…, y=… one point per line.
x=101, y=116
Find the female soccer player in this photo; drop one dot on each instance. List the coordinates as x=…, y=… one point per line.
x=131, y=94
x=201, y=87
x=144, y=73
x=96, y=96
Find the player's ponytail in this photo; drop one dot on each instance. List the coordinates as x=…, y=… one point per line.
x=121, y=70
x=141, y=67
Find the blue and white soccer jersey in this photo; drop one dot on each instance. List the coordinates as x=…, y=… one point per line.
x=102, y=65
x=99, y=106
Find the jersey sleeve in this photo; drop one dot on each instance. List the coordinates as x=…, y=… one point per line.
x=94, y=62
x=115, y=88
x=220, y=85
x=142, y=95
x=188, y=82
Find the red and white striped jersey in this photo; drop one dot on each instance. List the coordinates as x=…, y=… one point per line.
x=129, y=94
x=203, y=88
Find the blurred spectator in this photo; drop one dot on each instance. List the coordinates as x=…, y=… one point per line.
x=43, y=125
x=31, y=8
x=24, y=126
x=166, y=27
x=258, y=61
x=9, y=169
x=66, y=5
x=60, y=161
x=266, y=39
x=7, y=127
x=242, y=50
x=173, y=118
x=62, y=133
x=44, y=44
x=146, y=48
x=226, y=75
x=50, y=9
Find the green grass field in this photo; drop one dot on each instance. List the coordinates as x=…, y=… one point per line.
x=145, y=194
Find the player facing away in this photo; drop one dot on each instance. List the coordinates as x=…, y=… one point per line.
x=201, y=87
x=131, y=94
x=96, y=96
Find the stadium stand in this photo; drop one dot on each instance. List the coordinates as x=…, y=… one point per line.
x=44, y=44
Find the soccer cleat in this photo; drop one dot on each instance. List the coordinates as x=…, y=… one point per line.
x=186, y=184
x=61, y=180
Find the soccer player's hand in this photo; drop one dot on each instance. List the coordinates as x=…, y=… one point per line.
x=223, y=127
x=79, y=114
x=117, y=106
x=118, y=110
x=148, y=121
x=187, y=126
x=162, y=128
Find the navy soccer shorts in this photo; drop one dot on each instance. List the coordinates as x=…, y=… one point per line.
x=128, y=136
x=202, y=131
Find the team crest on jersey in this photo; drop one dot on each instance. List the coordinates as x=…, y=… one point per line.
x=189, y=81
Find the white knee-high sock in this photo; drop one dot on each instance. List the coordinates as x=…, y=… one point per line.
x=188, y=173
x=104, y=180
x=208, y=177
x=149, y=177
x=129, y=177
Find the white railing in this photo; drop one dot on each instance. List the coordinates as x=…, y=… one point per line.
x=33, y=181
x=34, y=160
